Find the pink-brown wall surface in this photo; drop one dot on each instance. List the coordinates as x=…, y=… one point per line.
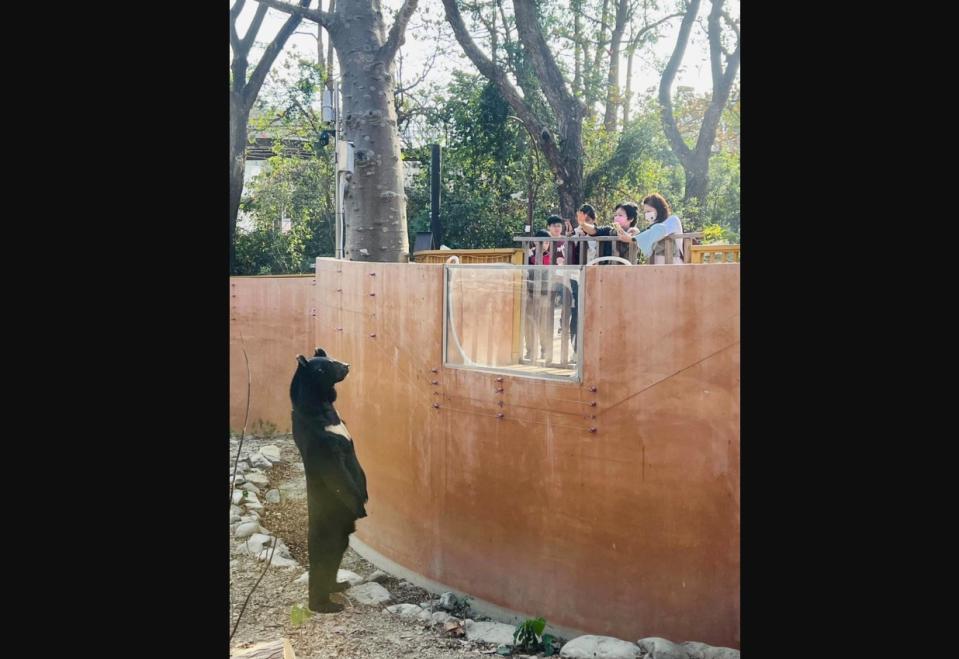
x=609, y=506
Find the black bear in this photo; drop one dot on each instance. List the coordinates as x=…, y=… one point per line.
x=335, y=482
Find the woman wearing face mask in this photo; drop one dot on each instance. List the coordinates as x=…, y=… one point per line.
x=624, y=224
x=662, y=223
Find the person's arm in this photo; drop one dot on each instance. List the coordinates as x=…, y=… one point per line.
x=590, y=229
x=673, y=225
x=646, y=239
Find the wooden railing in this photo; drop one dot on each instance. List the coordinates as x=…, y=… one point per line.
x=573, y=242
x=468, y=256
x=715, y=254
x=691, y=253
x=687, y=239
x=581, y=242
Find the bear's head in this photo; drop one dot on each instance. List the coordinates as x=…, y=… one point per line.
x=315, y=377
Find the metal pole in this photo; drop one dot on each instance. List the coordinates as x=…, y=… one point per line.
x=435, y=172
x=338, y=211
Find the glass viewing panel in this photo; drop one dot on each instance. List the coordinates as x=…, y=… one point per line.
x=518, y=320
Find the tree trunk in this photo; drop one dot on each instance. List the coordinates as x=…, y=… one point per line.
x=695, y=161
x=585, y=73
x=375, y=201
x=595, y=74
x=376, y=218
x=612, y=80
x=238, y=119
x=697, y=179
x=577, y=11
x=628, y=96
x=563, y=151
x=570, y=168
x=570, y=198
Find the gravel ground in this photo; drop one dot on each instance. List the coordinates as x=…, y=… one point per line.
x=358, y=631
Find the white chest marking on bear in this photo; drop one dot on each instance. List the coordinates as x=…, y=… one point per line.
x=339, y=429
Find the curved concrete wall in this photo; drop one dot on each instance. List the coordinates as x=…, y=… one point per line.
x=630, y=530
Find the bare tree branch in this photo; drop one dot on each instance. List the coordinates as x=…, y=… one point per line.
x=234, y=13
x=695, y=161
x=715, y=47
x=613, y=96
x=308, y=113
x=269, y=560
x=426, y=71
x=577, y=67
x=236, y=9
x=665, y=84
x=498, y=76
x=246, y=415
x=254, y=27
x=506, y=30
x=323, y=18
x=563, y=103
x=639, y=36
x=722, y=81
x=595, y=72
x=599, y=21
x=271, y=52
x=490, y=25
x=732, y=61
x=398, y=31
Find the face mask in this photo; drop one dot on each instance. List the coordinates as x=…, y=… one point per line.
x=622, y=221
x=650, y=216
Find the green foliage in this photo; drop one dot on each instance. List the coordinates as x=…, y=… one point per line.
x=289, y=205
x=529, y=637
x=296, y=190
x=640, y=162
x=488, y=168
x=299, y=615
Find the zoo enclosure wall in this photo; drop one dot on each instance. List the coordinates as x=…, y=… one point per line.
x=609, y=506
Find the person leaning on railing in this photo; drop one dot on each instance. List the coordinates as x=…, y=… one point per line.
x=663, y=223
x=624, y=223
x=536, y=247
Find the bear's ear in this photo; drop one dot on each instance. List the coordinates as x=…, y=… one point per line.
x=301, y=360
x=320, y=352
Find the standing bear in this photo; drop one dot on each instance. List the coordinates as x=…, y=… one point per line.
x=335, y=482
